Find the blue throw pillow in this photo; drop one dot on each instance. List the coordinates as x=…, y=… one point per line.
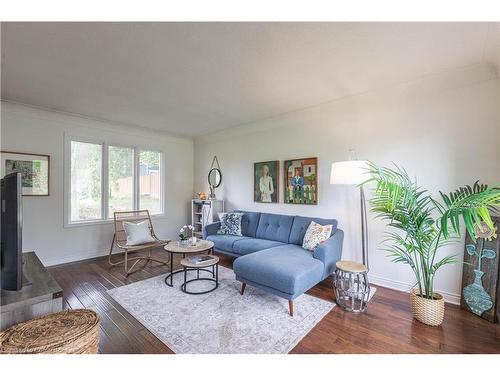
x=231, y=224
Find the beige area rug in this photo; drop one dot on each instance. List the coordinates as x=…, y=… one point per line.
x=222, y=321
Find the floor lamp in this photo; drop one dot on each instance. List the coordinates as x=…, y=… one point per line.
x=353, y=172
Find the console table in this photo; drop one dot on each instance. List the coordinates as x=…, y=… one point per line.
x=41, y=297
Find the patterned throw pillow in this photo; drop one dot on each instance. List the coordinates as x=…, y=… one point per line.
x=316, y=234
x=230, y=223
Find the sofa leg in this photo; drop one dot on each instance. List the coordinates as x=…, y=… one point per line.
x=243, y=288
x=290, y=305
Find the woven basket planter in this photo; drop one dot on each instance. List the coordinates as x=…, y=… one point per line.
x=427, y=311
x=69, y=332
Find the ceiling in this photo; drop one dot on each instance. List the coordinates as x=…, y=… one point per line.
x=192, y=79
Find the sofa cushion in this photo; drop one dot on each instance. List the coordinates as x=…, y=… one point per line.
x=251, y=245
x=300, y=225
x=287, y=268
x=230, y=224
x=274, y=227
x=249, y=223
x=316, y=234
x=224, y=241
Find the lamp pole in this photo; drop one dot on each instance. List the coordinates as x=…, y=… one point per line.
x=364, y=226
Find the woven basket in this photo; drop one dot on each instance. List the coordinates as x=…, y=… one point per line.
x=427, y=311
x=70, y=332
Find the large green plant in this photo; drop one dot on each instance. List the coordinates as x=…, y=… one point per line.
x=424, y=224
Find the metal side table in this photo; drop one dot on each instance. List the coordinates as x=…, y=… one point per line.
x=352, y=289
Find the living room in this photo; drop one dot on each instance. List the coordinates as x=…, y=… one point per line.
x=250, y=187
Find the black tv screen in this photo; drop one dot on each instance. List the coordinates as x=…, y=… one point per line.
x=11, y=240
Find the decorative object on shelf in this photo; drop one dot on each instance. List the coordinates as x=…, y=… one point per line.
x=67, y=332
x=35, y=170
x=202, y=195
x=186, y=234
x=301, y=176
x=214, y=177
x=266, y=181
x=354, y=172
x=204, y=212
x=398, y=199
x=352, y=289
x=480, y=277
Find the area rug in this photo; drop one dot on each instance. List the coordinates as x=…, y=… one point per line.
x=222, y=321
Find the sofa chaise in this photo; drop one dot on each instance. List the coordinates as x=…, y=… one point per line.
x=270, y=255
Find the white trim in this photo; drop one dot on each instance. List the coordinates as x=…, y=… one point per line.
x=405, y=287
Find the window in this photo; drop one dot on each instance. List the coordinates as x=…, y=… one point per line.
x=86, y=181
x=107, y=178
x=120, y=179
x=149, y=181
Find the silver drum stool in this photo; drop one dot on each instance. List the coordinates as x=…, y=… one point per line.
x=351, y=285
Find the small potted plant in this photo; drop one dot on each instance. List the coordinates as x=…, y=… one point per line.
x=423, y=225
x=186, y=235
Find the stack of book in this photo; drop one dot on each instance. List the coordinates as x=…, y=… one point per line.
x=199, y=259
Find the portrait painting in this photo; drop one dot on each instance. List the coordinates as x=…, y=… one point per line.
x=34, y=170
x=301, y=181
x=266, y=181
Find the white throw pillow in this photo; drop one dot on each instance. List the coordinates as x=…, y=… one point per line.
x=138, y=234
x=316, y=234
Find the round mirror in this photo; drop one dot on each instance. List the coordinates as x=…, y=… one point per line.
x=214, y=177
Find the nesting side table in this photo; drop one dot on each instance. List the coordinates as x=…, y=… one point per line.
x=352, y=289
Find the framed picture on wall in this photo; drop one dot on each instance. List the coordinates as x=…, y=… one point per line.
x=301, y=181
x=33, y=167
x=266, y=181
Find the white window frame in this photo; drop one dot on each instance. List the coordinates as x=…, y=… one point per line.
x=68, y=138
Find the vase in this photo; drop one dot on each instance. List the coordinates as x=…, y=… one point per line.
x=427, y=311
x=476, y=296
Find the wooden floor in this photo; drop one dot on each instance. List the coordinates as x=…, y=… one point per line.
x=386, y=327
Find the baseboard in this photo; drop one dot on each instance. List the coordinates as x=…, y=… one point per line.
x=405, y=287
x=47, y=262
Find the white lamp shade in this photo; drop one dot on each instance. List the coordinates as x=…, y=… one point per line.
x=352, y=172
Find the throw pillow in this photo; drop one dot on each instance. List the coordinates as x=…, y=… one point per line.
x=316, y=234
x=231, y=224
x=138, y=233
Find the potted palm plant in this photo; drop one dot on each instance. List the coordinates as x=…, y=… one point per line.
x=423, y=225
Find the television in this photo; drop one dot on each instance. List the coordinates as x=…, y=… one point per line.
x=12, y=239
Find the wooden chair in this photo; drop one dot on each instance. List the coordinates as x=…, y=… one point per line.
x=120, y=239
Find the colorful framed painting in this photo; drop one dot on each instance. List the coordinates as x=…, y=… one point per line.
x=33, y=167
x=266, y=181
x=301, y=181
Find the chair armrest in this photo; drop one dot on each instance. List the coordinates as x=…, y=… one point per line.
x=330, y=251
x=211, y=229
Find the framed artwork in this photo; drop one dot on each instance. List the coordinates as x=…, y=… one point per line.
x=33, y=167
x=301, y=181
x=266, y=181
x=481, y=273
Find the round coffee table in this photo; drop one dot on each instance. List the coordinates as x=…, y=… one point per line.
x=190, y=265
x=175, y=247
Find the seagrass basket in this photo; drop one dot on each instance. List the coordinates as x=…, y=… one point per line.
x=69, y=332
x=427, y=311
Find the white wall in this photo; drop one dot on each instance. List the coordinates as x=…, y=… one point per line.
x=32, y=130
x=442, y=128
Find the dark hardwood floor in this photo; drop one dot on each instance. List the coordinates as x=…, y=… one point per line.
x=386, y=327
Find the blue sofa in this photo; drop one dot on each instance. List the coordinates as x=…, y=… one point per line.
x=270, y=254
